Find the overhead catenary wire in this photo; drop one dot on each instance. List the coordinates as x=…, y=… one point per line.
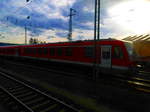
x=14, y=12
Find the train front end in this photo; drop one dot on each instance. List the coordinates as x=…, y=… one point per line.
x=133, y=60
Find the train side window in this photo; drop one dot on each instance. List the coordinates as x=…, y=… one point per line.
x=30, y=50
x=34, y=51
x=68, y=52
x=118, y=53
x=59, y=51
x=6, y=50
x=9, y=50
x=40, y=51
x=27, y=50
x=52, y=51
x=89, y=52
x=24, y=50
x=45, y=50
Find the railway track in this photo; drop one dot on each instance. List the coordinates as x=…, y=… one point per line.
x=139, y=81
x=21, y=97
x=137, y=86
x=136, y=82
x=53, y=69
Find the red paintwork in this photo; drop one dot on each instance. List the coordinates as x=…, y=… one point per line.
x=78, y=51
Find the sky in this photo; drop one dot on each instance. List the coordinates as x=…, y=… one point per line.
x=48, y=19
x=121, y=18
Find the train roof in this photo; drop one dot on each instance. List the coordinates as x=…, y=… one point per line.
x=80, y=42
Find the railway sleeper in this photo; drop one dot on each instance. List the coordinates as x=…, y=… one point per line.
x=15, y=89
x=23, y=97
x=48, y=108
x=40, y=105
x=11, y=103
x=26, y=99
x=25, y=94
x=44, y=106
x=57, y=108
x=20, y=92
x=34, y=101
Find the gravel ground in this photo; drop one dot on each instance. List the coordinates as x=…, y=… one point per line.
x=3, y=109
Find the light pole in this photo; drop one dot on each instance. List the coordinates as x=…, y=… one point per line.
x=72, y=13
x=25, y=28
x=96, y=37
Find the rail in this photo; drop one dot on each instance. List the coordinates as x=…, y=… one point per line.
x=28, y=99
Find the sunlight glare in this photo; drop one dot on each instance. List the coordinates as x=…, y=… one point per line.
x=132, y=15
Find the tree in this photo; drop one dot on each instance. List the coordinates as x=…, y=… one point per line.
x=31, y=41
x=36, y=41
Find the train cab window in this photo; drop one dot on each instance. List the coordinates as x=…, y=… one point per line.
x=118, y=53
x=89, y=52
x=59, y=51
x=52, y=51
x=68, y=52
x=130, y=49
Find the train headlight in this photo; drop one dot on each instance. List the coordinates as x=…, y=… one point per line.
x=139, y=66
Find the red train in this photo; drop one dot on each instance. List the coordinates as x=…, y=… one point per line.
x=113, y=55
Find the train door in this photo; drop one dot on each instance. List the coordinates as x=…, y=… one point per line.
x=106, y=56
